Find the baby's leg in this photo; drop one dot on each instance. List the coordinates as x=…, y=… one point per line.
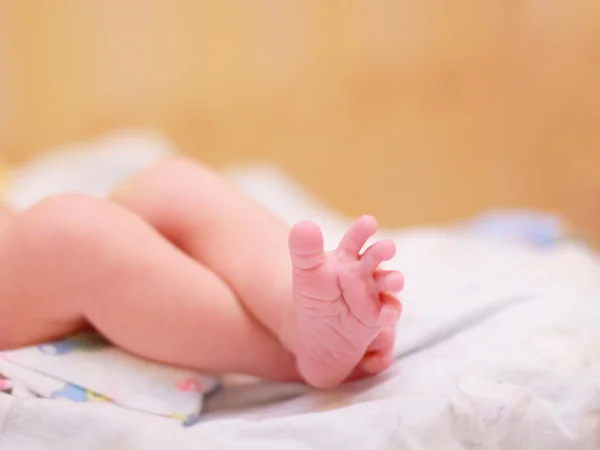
x=72, y=260
x=6, y=214
x=298, y=298
x=215, y=223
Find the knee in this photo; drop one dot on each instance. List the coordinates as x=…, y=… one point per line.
x=170, y=172
x=176, y=175
x=171, y=193
x=179, y=165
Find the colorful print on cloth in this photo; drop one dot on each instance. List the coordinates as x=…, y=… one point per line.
x=186, y=419
x=78, y=394
x=84, y=342
x=86, y=368
x=522, y=226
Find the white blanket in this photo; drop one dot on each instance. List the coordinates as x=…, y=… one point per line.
x=499, y=348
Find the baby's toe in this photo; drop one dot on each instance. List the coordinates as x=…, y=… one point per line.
x=357, y=236
x=374, y=363
x=377, y=253
x=383, y=341
x=379, y=355
x=390, y=311
x=389, y=280
x=306, y=245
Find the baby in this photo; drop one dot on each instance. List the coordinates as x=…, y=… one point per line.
x=181, y=268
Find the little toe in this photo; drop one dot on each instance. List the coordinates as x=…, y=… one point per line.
x=389, y=280
x=390, y=311
x=384, y=340
x=379, y=252
x=376, y=362
x=306, y=245
x=376, y=359
x=357, y=235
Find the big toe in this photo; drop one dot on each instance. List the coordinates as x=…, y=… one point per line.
x=306, y=245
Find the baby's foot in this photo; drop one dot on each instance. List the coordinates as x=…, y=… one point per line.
x=344, y=311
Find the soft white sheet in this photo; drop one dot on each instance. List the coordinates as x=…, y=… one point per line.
x=499, y=348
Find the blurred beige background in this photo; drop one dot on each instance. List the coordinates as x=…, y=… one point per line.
x=414, y=110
